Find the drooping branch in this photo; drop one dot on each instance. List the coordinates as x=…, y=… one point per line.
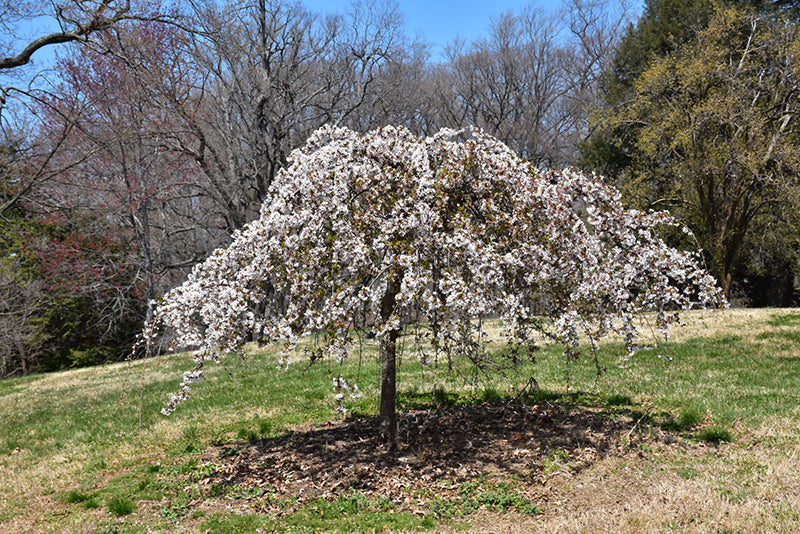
x=408, y=246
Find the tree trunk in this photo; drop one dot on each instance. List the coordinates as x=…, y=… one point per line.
x=388, y=355
x=727, y=279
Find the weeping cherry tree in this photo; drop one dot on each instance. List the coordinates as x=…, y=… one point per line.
x=374, y=231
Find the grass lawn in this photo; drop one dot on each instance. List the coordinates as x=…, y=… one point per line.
x=698, y=435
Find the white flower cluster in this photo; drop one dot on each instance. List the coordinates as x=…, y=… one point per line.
x=462, y=225
x=341, y=388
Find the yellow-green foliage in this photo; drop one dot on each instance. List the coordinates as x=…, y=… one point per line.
x=712, y=129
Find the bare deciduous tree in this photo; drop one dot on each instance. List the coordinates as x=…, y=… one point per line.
x=533, y=80
x=273, y=72
x=118, y=162
x=22, y=341
x=76, y=21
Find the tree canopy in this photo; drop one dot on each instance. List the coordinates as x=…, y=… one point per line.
x=383, y=229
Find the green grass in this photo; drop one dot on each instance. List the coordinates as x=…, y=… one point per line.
x=715, y=435
x=120, y=507
x=472, y=496
x=93, y=443
x=785, y=319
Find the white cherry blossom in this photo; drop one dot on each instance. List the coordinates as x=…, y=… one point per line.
x=441, y=230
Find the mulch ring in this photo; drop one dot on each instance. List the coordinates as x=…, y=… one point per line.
x=439, y=451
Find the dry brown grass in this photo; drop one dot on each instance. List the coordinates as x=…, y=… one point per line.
x=745, y=489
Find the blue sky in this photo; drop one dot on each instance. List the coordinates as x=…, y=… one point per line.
x=439, y=22
x=435, y=21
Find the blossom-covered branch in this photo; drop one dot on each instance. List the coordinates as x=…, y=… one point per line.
x=370, y=231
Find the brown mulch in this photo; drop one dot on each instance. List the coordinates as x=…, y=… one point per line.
x=439, y=450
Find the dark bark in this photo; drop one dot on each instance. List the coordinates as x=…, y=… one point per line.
x=388, y=355
x=100, y=19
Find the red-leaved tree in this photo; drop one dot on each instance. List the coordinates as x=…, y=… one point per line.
x=381, y=229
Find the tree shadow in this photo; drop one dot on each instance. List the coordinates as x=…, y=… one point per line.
x=524, y=440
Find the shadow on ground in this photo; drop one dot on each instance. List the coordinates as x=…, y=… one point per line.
x=440, y=449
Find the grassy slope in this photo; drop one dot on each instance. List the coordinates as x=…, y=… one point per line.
x=86, y=450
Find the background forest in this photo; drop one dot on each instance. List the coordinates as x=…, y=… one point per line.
x=160, y=128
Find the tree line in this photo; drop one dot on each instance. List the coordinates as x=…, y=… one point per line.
x=159, y=130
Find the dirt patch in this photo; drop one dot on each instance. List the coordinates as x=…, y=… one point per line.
x=440, y=450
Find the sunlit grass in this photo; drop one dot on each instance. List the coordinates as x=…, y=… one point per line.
x=92, y=444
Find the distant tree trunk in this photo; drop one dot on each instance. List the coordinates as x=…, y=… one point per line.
x=388, y=355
